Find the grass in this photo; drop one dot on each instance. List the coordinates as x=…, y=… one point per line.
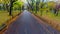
x=51, y=19
x=50, y=15
x=15, y=12
x=4, y=16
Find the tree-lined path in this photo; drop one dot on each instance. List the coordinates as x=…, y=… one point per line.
x=27, y=24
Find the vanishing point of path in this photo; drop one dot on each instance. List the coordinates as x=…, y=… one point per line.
x=28, y=24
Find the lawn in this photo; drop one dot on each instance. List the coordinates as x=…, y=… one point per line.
x=50, y=15
x=50, y=18
x=4, y=16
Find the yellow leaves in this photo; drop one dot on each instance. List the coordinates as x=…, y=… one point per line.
x=51, y=4
x=4, y=1
x=0, y=1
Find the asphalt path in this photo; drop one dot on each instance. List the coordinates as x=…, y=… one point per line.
x=27, y=24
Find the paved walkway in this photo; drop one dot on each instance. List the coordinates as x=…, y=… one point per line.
x=27, y=24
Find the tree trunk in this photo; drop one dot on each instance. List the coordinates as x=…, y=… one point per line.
x=11, y=5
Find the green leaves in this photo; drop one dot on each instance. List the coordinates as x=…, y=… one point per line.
x=18, y=5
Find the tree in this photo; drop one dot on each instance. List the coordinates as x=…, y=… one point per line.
x=8, y=4
x=11, y=5
x=5, y=4
x=53, y=6
x=37, y=5
x=41, y=7
x=18, y=5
